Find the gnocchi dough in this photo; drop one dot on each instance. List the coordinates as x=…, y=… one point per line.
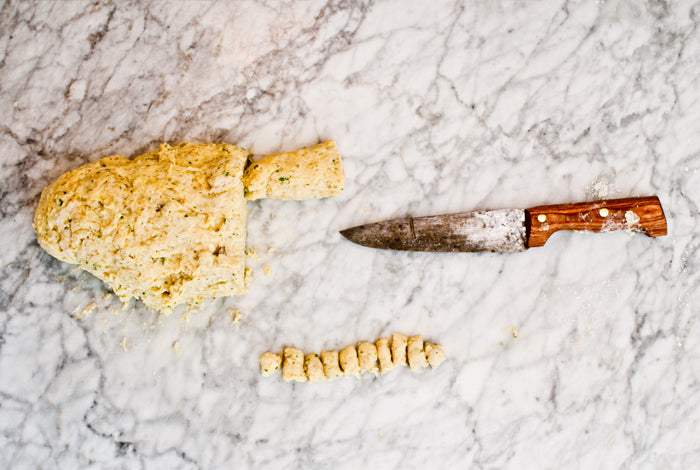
x=309, y=173
x=399, y=343
x=380, y=357
x=169, y=226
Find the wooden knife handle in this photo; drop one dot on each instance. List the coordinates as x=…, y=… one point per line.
x=643, y=214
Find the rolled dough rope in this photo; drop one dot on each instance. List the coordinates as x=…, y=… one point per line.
x=309, y=173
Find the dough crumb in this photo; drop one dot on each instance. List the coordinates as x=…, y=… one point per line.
x=176, y=347
x=631, y=219
x=267, y=269
x=122, y=343
x=236, y=315
x=87, y=310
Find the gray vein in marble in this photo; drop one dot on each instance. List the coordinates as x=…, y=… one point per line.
x=437, y=107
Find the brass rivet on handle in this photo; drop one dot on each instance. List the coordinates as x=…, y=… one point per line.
x=603, y=212
x=542, y=218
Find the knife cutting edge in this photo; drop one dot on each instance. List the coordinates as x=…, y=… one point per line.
x=510, y=230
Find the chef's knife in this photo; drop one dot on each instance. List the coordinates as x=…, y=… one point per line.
x=509, y=230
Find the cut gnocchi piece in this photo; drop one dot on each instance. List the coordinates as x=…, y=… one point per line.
x=434, y=354
x=367, y=355
x=308, y=173
x=349, y=362
x=314, y=368
x=331, y=365
x=270, y=363
x=398, y=349
x=380, y=357
x=384, y=355
x=416, y=353
x=293, y=365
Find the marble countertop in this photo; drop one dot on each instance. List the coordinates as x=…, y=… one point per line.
x=583, y=353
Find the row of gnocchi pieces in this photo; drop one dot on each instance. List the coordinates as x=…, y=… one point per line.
x=379, y=357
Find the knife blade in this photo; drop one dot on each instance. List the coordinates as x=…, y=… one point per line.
x=510, y=230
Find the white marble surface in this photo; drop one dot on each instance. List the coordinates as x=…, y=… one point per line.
x=437, y=107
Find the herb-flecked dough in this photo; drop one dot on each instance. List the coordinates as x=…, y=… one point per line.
x=309, y=173
x=167, y=227
x=270, y=363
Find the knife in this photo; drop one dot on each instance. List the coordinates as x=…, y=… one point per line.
x=510, y=230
